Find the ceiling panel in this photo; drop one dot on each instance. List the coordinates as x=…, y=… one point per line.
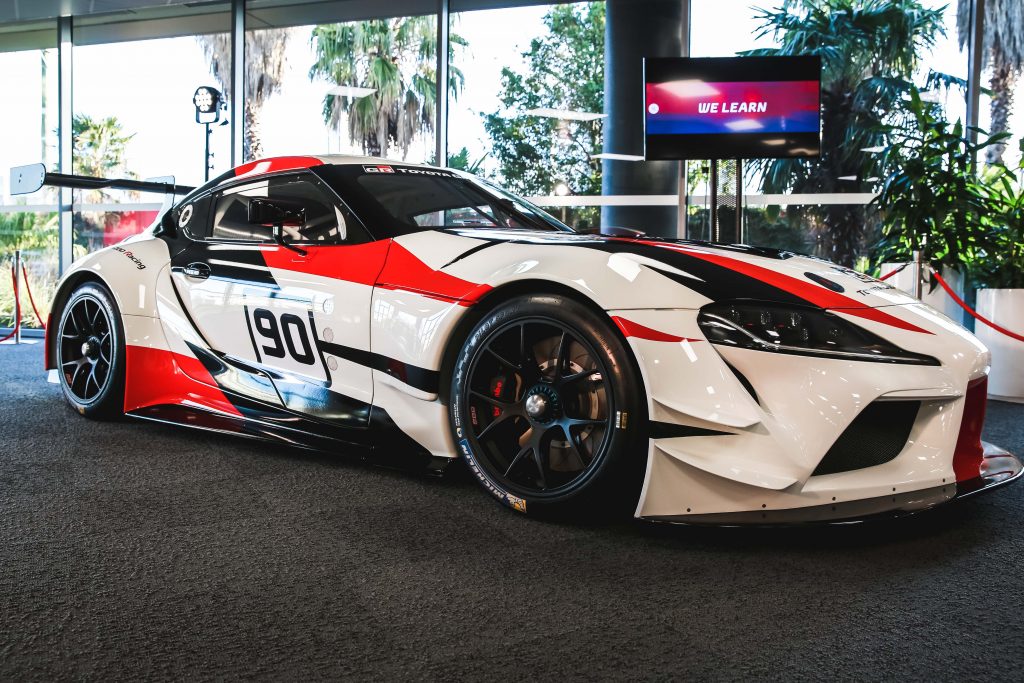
x=31, y=10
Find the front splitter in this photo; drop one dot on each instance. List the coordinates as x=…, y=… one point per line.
x=998, y=468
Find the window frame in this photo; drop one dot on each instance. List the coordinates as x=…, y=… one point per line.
x=357, y=228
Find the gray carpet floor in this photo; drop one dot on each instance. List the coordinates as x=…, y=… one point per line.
x=132, y=550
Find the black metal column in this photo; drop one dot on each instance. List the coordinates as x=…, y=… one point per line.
x=636, y=29
x=975, y=61
x=441, y=126
x=237, y=93
x=65, y=140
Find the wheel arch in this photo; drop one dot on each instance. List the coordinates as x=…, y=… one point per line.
x=498, y=296
x=73, y=281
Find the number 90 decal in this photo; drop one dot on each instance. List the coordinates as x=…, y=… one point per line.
x=275, y=339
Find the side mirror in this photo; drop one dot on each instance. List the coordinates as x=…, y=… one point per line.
x=276, y=213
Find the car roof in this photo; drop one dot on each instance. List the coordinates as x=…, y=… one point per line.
x=260, y=167
x=349, y=159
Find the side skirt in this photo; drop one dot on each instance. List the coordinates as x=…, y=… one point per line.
x=381, y=447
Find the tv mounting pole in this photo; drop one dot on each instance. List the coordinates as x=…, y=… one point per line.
x=713, y=232
x=734, y=233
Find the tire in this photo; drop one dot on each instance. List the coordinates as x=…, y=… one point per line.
x=90, y=353
x=548, y=410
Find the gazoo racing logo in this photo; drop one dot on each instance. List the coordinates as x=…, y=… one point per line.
x=408, y=171
x=131, y=257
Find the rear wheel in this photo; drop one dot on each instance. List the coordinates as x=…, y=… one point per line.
x=548, y=409
x=90, y=352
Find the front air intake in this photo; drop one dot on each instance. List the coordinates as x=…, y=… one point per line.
x=875, y=437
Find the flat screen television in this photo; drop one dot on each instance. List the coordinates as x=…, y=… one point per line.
x=732, y=107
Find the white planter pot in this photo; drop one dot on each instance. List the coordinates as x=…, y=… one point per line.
x=937, y=299
x=1004, y=307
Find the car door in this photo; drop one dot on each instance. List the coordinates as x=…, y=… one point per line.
x=292, y=317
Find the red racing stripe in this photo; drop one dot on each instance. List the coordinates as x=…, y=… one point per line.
x=358, y=263
x=808, y=291
x=404, y=271
x=159, y=377
x=261, y=166
x=633, y=329
x=384, y=263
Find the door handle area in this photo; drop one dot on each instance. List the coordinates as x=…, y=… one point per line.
x=197, y=270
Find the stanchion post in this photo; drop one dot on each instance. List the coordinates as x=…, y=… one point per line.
x=17, y=296
x=918, y=274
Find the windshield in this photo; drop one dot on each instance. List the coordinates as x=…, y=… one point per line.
x=395, y=200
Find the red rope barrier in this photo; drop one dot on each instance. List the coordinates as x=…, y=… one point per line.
x=32, y=301
x=890, y=274
x=17, y=305
x=972, y=312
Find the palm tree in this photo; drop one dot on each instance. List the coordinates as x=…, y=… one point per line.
x=1003, y=50
x=264, y=69
x=99, y=148
x=869, y=51
x=99, y=145
x=397, y=58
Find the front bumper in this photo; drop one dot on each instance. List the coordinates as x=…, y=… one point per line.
x=998, y=468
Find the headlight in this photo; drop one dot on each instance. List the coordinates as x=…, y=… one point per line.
x=802, y=331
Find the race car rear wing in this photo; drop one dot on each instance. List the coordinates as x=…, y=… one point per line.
x=31, y=178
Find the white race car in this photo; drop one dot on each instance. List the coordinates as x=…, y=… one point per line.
x=419, y=315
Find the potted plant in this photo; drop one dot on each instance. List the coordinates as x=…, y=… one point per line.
x=931, y=201
x=999, y=272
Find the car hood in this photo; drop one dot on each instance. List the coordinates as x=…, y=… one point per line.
x=737, y=272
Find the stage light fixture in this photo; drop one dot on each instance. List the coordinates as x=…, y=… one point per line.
x=207, y=101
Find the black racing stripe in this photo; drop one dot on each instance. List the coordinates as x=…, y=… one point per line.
x=514, y=235
x=667, y=430
x=284, y=395
x=188, y=316
x=714, y=281
x=241, y=264
x=245, y=276
x=711, y=280
x=416, y=377
x=470, y=252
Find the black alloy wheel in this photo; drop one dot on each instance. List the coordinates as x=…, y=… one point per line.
x=90, y=352
x=538, y=404
x=539, y=400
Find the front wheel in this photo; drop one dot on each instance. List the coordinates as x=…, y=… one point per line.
x=90, y=352
x=548, y=409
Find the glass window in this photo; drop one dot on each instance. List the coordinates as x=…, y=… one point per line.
x=526, y=100
x=1001, y=108
x=855, y=106
x=403, y=200
x=946, y=57
x=28, y=135
x=332, y=85
x=326, y=221
x=138, y=120
x=231, y=215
